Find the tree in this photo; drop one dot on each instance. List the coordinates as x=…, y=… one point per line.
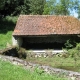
x=22, y=7
x=17, y=7
x=37, y=6
x=7, y=7
x=49, y=7
x=77, y=7
x=60, y=7
x=14, y=7
x=1, y=3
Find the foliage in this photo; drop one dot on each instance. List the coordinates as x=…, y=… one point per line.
x=68, y=44
x=7, y=25
x=5, y=39
x=9, y=71
x=60, y=7
x=77, y=7
x=17, y=7
x=36, y=6
x=22, y=7
x=49, y=7
x=75, y=52
x=2, y=2
x=78, y=46
x=14, y=7
x=22, y=53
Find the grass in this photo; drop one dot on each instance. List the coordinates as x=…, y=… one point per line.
x=7, y=25
x=9, y=71
x=57, y=62
x=5, y=38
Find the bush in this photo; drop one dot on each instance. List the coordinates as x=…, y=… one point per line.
x=22, y=53
x=78, y=46
x=68, y=44
x=75, y=52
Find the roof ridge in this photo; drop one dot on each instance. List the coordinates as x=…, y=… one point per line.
x=49, y=15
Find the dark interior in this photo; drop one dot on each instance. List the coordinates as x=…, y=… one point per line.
x=41, y=46
x=47, y=42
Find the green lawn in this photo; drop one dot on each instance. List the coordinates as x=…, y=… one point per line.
x=9, y=71
x=5, y=38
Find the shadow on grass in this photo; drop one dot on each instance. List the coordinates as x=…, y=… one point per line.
x=6, y=25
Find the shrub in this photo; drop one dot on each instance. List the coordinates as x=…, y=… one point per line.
x=78, y=46
x=75, y=52
x=22, y=53
x=68, y=44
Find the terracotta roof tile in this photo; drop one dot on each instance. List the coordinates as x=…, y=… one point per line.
x=46, y=25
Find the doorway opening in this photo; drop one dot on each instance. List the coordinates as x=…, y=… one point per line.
x=56, y=42
x=44, y=46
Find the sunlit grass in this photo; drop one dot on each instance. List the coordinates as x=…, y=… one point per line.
x=9, y=71
x=5, y=38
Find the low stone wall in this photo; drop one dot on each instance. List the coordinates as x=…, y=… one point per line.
x=70, y=75
x=46, y=53
x=23, y=53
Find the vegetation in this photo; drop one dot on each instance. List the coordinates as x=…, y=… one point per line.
x=70, y=44
x=69, y=60
x=62, y=7
x=17, y=7
x=5, y=39
x=7, y=25
x=75, y=53
x=56, y=7
x=37, y=6
x=9, y=71
x=57, y=62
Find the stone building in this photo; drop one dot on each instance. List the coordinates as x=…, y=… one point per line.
x=45, y=31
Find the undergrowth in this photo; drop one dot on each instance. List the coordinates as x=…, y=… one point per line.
x=7, y=26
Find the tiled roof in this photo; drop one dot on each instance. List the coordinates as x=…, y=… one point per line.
x=46, y=25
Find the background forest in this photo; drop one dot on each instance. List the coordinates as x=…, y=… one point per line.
x=51, y=7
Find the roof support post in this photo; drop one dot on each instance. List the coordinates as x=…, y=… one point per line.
x=16, y=41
